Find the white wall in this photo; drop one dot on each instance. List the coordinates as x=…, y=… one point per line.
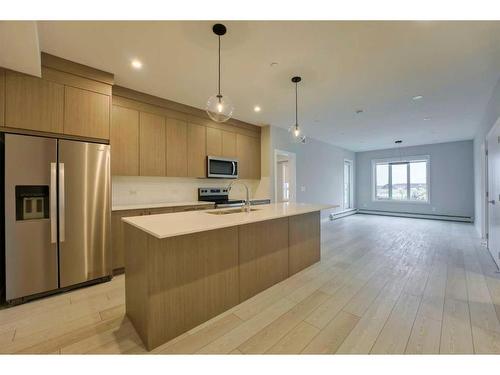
x=491, y=114
x=451, y=179
x=320, y=168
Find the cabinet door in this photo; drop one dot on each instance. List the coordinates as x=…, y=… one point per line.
x=196, y=150
x=176, y=148
x=2, y=97
x=248, y=149
x=124, y=142
x=33, y=103
x=228, y=144
x=152, y=141
x=303, y=241
x=117, y=236
x=214, y=142
x=263, y=255
x=86, y=113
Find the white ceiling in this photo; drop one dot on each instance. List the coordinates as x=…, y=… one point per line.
x=345, y=66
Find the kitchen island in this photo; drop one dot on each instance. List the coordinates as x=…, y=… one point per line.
x=184, y=268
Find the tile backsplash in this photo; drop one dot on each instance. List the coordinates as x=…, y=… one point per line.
x=138, y=190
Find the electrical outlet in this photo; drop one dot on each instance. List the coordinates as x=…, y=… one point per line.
x=433, y=209
x=331, y=216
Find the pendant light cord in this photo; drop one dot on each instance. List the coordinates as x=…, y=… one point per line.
x=219, y=70
x=296, y=107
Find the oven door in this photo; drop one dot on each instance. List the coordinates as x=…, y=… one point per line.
x=218, y=167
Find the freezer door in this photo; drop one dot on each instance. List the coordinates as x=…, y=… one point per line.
x=30, y=215
x=84, y=212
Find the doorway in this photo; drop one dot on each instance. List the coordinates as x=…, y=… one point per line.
x=348, y=184
x=284, y=176
x=492, y=191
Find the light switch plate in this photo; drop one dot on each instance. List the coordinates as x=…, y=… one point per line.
x=302, y=188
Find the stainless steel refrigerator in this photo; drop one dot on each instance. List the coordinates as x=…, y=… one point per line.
x=57, y=214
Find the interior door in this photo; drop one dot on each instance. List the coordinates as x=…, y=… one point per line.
x=30, y=215
x=85, y=213
x=493, y=142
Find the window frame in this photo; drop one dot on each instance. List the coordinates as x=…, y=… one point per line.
x=396, y=160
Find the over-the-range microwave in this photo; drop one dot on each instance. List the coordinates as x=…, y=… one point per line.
x=218, y=167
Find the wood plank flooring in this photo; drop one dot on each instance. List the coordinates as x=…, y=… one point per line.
x=384, y=285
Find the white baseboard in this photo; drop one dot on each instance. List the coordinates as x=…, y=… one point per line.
x=463, y=219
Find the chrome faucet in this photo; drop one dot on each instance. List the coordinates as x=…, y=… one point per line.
x=247, y=202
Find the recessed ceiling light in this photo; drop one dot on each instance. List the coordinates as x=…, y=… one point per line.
x=359, y=111
x=427, y=119
x=417, y=97
x=256, y=108
x=136, y=64
x=273, y=64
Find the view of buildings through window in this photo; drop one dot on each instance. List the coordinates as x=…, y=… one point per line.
x=402, y=181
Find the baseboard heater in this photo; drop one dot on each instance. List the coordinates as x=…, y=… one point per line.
x=338, y=215
x=465, y=219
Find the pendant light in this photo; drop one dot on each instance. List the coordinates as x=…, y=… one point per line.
x=294, y=130
x=219, y=107
x=398, y=145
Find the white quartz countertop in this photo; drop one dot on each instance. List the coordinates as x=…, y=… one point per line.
x=124, y=207
x=176, y=224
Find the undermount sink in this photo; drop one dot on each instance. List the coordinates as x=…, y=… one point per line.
x=231, y=211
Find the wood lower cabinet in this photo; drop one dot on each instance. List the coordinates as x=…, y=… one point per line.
x=248, y=152
x=196, y=150
x=304, y=241
x=117, y=227
x=263, y=252
x=2, y=97
x=177, y=144
x=33, y=103
x=86, y=113
x=152, y=145
x=124, y=142
x=178, y=283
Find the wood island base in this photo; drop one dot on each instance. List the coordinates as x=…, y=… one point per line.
x=176, y=283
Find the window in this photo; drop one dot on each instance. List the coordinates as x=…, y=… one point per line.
x=401, y=180
x=348, y=179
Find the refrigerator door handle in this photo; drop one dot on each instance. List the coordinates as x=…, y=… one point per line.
x=53, y=203
x=62, y=209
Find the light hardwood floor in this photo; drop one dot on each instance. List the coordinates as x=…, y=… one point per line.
x=384, y=285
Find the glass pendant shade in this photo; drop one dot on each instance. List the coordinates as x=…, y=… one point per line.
x=296, y=135
x=219, y=108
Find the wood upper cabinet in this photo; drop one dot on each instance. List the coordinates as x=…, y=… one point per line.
x=33, y=103
x=248, y=152
x=2, y=97
x=125, y=142
x=86, y=113
x=176, y=134
x=214, y=142
x=152, y=145
x=229, y=144
x=221, y=143
x=196, y=150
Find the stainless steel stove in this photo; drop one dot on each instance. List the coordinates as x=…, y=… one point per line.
x=220, y=196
